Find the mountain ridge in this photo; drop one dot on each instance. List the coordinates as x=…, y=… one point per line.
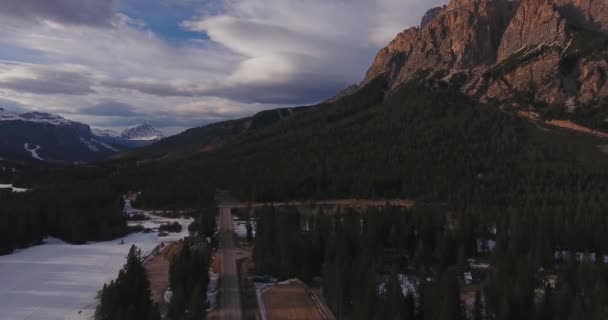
x=45, y=137
x=550, y=54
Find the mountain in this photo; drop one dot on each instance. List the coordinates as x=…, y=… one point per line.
x=457, y=110
x=546, y=57
x=45, y=137
x=132, y=137
x=211, y=137
x=142, y=132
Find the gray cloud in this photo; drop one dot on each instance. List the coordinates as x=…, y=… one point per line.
x=48, y=81
x=110, y=109
x=251, y=55
x=89, y=12
x=154, y=87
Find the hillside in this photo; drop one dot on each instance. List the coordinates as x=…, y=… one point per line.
x=42, y=137
x=426, y=141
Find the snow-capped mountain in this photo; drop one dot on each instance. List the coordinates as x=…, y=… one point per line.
x=142, y=132
x=133, y=137
x=105, y=133
x=35, y=117
x=38, y=136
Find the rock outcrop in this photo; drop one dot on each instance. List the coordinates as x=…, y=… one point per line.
x=464, y=35
x=554, y=52
x=536, y=22
x=430, y=16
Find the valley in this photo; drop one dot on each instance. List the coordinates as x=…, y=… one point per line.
x=463, y=177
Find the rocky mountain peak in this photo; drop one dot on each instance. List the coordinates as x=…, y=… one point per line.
x=464, y=35
x=535, y=22
x=144, y=132
x=430, y=15
x=555, y=51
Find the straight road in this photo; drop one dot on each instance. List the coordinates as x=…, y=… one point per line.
x=339, y=202
x=230, y=296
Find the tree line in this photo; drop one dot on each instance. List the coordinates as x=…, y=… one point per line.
x=363, y=257
x=75, y=213
x=128, y=297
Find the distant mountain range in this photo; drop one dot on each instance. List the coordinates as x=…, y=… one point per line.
x=38, y=136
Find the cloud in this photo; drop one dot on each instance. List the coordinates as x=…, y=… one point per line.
x=110, y=109
x=93, y=62
x=44, y=80
x=91, y=12
x=14, y=106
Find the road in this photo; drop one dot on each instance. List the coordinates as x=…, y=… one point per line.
x=230, y=296
x=340, y=202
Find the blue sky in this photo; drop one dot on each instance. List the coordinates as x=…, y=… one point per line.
x=164, y=18
x=184, y=63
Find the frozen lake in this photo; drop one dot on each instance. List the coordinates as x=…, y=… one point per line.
x=59, y=281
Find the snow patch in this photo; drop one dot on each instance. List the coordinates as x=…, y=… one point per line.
x=58, y=281
x=105, y=145
x=89, y=145
x=105, y=133
x=37, y=117
x=33, y=150
x=10, y=186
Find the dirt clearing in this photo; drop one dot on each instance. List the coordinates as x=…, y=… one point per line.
x=290, y=301
x=158, y=270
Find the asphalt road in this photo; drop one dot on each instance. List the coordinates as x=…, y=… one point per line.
x=230, y=297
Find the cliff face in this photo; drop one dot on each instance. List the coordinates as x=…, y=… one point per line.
x=553, y=51
x=463, y=35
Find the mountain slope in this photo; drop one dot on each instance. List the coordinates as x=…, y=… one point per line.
x=210, y=137
x=423, y=124
x=44, y=137
x=547, y=55
x=425, y=140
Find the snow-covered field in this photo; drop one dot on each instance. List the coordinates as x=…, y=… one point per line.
x=10, y=186
x=59, y=281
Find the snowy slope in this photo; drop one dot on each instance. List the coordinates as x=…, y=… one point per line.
x=105, y=133
x=142, y=132
x=132, y=137
x=10, y=186
x=59, y=281
x=35, y=117
x=37, y=136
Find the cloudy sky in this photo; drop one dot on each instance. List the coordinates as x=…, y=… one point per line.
x=185, y=63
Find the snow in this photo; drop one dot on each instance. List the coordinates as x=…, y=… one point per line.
x=33, y=151
x=10, y=186
x=240, y=227
x=37, y=117
x=407, y=286
x=105, y=133
x=94, y=144
x=89, y=145
x=59, y=281
x=145, y=138
x=142, y=132
x=105, y=145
